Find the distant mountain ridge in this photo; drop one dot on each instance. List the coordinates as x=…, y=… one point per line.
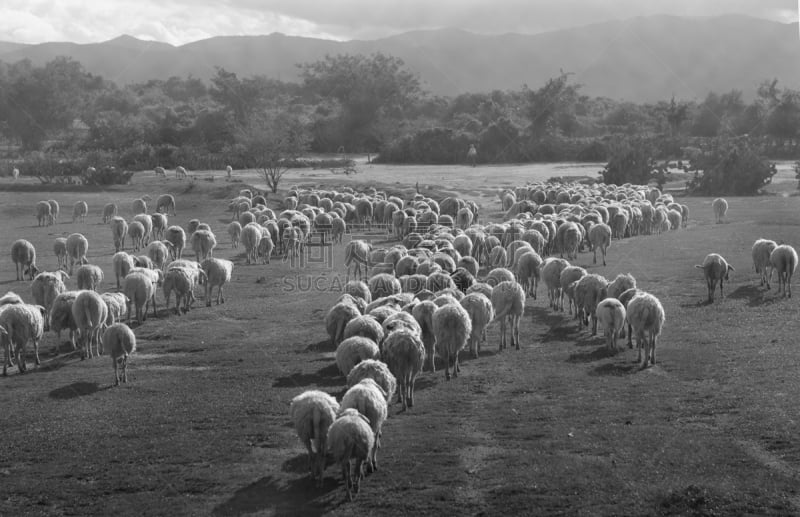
x=640, y=59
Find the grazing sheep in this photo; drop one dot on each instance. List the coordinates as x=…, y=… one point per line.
x=20, y=323
x=235, y=233
x=312, y=413
x=611, y=314
x=404, y=354
x=569, y=275
x=44, y=215
x=23, y=254
x=54, y=210
x=159, y=252
x=218, y=273
x=337, y=319
x=203, y=243
x=784, y=262
x=109, y=211
x=251, y=235
x=60, y=251
x=551, y=274
x=720, y=206
x=180, y=172
x=140, y=290
x=119, y=228
x=122, y=263
x=761, y=252
x=589, y=291
x=45, y=287
x=119, y=342
x=165, y=203
x=159, y=225
x=364, y=326
x=369, y=399
x=508, y=300
x=646, y=318
x=136, y=233
x=147, y=224
x=89, y=277
x=481, y=313
x=77, y=247
x=177, y=237
x=117, y=304
x=61, y=316
x=182, y=281
x=90, y=313
x=139, y=206
x=715, y=269
x=356, y=253
x=451, y=328
x=350, y=437
x=79, y=211
x=600, y=237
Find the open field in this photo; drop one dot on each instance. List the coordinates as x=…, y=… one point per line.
x=559, y=427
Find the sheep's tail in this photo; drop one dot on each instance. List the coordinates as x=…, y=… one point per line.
x=316, y=430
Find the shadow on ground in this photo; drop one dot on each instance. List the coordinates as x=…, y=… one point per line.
x=269, y=496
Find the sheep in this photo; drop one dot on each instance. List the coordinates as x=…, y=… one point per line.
x=611, y=314
x=376, y=370
x=15, y=173
x=23, y=254
x=312, y=413
x=589, y=291
x=119, y=342
x=218, y=272
x=762, y=249
x=646, y=317
x=229, y=171
x=54, y=210
x=182, y=281
x=423, y=314
x=90, y=313
x=551, y=274
x=600, y=237
x=715, y=269
x=498, y=275
x=364, y=326
x=356, y=253
x=569, y=239
x=136, y=233
x=140, y=290
x=117, y=303
x=508, y=300
x=46, y=287
x=122, y=263
x=720, y=206
x=159, y=171
x=337, y=319
x=404, y=354
x=400, y=320
x=89, y=277
x=159, y=225
x=119, y=229
x=60, y=251
x=451, y=329
x=61, y=316
x=350, y=437
x=358, y=289
x=568, y=275
x=79, y=211
x=383, y=284
x=44, y=215
x=369, y=399
x=109, y=211
x=235, y=233
x=481, y=313
x=180, y=172
x=626, y=297
x=147, y=224
x=251, y=235
x=77, y=247
x=165, y=202
x=177, y=237
x=338, y=229
x=20, y=323
x=784, y=262
x=203, y=243
x=139, y=206
x=620, y=284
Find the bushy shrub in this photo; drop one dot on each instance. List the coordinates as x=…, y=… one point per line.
x=730, y=166
x=106, y=175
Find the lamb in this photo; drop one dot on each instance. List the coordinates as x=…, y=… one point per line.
x=203, y=243
x=357, y=252
x=404, y=354
x=720, y=206
x=481, y=313
x=235, y=233
x=20, y=323
x=611, y=314
x=60, y=251
x=761, y=252
x=715, y=269
x=177, y=237
x=89, y=277
x=784, y=262
x=119, y=228
x=61, y=316
x=109, y=211
x=350, y=437
x=451, y=328
x=122, y=263
x=508, y=300
x=589, y=291
x=79, y=211
x=600, y=237
x=369, y=399
x=136, y=233
x=551, y=274
x=218, y=272
x=117, y=303
x=312, y=413
x=165, y=203
x=140, y=290
x=23, y=254
x=646, y=318
x=139, y=206
x=54, y=209
x=90, y=313
x=44, y=215
x=46, y=287
x=337, y=319
x=364, y=326
x=423, y=314
x=119, y=342
x=376, y=370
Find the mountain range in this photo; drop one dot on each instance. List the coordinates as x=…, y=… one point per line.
x=640, y=59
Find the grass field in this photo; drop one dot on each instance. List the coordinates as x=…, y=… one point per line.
x=559, y=427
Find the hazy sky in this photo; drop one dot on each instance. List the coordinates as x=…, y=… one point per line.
x=183, y=21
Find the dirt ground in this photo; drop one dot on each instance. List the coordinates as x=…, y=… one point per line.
x=559, y=427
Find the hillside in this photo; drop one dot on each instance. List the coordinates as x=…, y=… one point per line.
x=640, y=59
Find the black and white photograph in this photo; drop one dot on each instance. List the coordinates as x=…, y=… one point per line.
x=399, y=258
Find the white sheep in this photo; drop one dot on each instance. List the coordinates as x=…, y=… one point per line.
x=376, y=370
x=117, y=304
x=119, y=229
x=159, y=252
x=15, y=173
x=364, y=326
x=180, y=172
x=646, y=318
x=203, y=243
x=266, y=246
x=715, y=269
x=337, y=319
x=338, y=229
x=720, y=206
x=423, y=314
x=140, y=290
x=611, y=315
x=89, y=276
x=90, y=313
x=46, y=286
x=218, y=273
x=54, y=210
x=229, y=171
x=399, y=320
x=147, y=225
x=451, y=329
x=61, y=316
x=235, y=233
x=351, y=438
x=139, y=206
x=784, y=262
x=620, y=284
x=177, y=237
x=119, y=342
x=251, y=235
x=79, y=211
x=44, y=215
x=356, y=253
x=353, y=350
x=20, y=323
x=369, y=399
x=589, y=291
x=508, y=300
x=600, y=237
x=312, y=413
x=404, y=354
x=384, y=284
x=60, y=251
x=136, y=234
x=159, y=171
x=122, y=263
x=551, y=275
x=77, y=247
x=165, y=203
x=160, y=224
x=23, y=254
x=182, y=281
x=762, y=249
x=109, y=211
x=569, y=275
x=481, y=313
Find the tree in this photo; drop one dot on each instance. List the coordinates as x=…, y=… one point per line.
x=731, y=166
x=271, y=142
x=631, y=161
x=551, y=108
